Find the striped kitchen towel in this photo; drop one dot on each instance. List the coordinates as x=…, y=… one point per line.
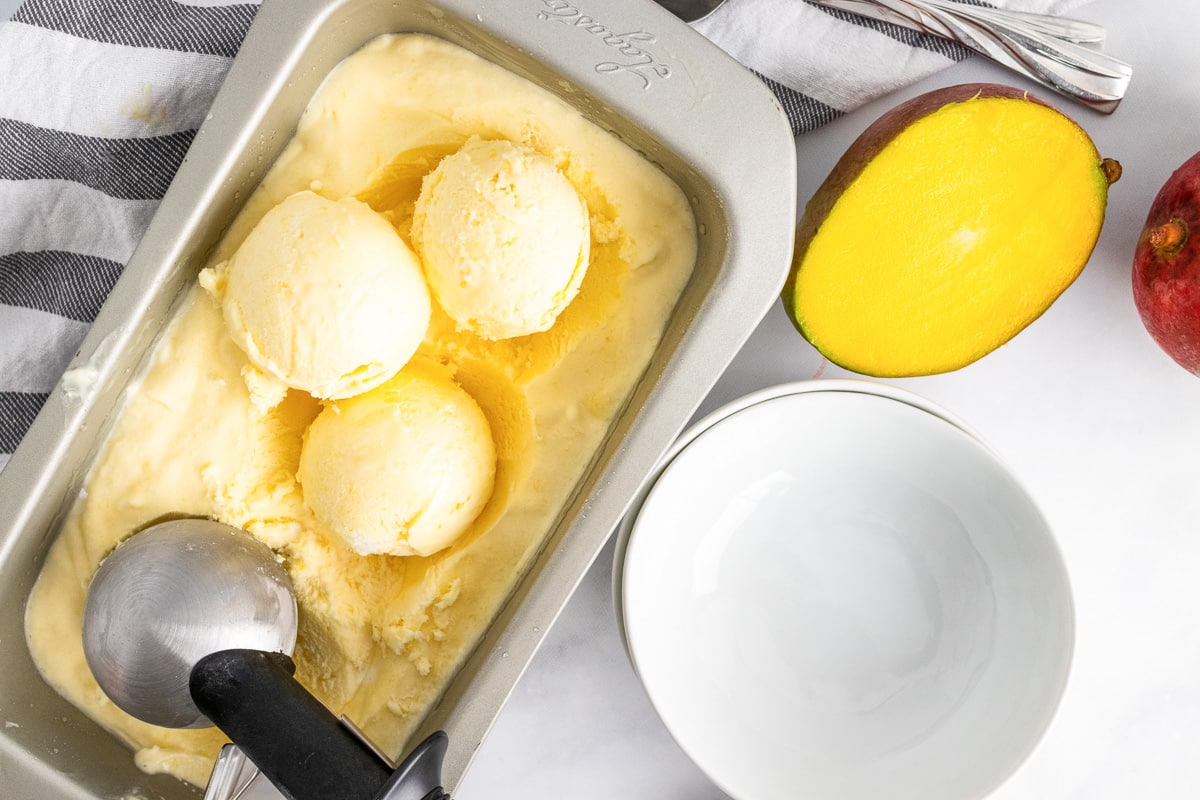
x=822, y=62
x=99, y=100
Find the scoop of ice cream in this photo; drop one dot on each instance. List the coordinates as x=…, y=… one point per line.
x=503, y=236
x=323, y=296
x=403, y=469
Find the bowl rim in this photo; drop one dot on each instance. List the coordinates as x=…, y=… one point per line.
x=627, y=532
x=693, y=431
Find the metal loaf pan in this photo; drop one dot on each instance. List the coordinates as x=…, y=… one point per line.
x=627, y=65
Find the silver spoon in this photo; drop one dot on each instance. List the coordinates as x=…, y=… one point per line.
x=191, y=623
x=1059, y=58
x=1056, y=52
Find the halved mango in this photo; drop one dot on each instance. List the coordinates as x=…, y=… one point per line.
x=948, y=226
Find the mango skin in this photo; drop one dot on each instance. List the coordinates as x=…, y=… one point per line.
x=860, y=155
x=1166, y=267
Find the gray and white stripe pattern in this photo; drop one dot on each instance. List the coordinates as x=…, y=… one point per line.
x=822, y=63
x=100, y=99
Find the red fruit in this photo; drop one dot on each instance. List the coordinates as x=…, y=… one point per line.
x=1166, y=267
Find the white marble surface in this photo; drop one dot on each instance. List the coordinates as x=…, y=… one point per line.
x=1103, y=429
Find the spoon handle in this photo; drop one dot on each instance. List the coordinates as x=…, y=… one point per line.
x=1069, y=30
x=1056, y=56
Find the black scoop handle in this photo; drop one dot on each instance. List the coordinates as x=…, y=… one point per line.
x=297, y=743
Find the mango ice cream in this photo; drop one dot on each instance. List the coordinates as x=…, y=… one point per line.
x=405, y=457
x=504, y=238
x=403, y=469
x=322, y=296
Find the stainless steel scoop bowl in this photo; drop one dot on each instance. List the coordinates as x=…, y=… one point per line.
x=191, y=623
x=171, y=595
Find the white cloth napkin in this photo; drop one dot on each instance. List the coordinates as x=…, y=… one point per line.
x=99, y=100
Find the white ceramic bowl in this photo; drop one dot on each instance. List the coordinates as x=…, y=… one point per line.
x=835, y=591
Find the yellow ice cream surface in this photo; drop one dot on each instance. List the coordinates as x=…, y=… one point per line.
x=380, y=636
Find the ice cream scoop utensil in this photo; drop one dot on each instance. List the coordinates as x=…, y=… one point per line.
x=295, y=740
x=191, y=623
x=305, y=751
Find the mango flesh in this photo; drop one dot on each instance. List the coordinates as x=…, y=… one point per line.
x=949, y=225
